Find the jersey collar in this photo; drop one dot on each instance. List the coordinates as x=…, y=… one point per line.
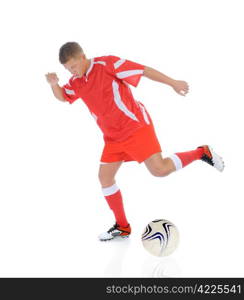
x=89, y=69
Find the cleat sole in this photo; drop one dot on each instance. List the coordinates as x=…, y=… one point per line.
x=217, y=160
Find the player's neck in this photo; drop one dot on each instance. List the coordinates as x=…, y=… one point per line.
x=88, y=64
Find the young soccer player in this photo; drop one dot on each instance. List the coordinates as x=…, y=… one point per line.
x=128, y=130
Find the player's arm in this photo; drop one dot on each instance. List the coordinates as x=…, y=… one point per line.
x=181, y=87
x=52, y=79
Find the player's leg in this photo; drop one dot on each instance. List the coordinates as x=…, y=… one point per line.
x=159, y=166
x=107, y=172
x=144, y=146
x=114, y=199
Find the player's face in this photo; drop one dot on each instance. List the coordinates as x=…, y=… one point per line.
x=76, y=65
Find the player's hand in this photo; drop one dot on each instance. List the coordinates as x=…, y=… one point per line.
x=52, y=78
x=181, y=87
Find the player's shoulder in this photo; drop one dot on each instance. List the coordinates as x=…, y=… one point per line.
x=107, y=59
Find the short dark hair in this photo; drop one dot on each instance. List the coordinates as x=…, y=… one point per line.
x=69, y=50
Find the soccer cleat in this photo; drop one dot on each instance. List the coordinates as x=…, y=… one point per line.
x=115, y=231
x=213, y=159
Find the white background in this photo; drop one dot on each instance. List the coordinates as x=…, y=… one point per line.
x=51, y=203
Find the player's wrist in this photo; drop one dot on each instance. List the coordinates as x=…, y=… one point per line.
x=54, y=84
x=173, y=83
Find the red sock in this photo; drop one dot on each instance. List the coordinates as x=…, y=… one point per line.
x=183, y=159
x=114, y=198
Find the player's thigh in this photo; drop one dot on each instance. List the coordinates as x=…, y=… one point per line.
x=108, y=171
x=155, y=163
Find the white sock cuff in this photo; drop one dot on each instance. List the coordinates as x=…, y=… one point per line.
x=177, y=162
x=110, y=190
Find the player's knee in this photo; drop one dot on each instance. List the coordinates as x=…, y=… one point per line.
x=105, y=180
x=159, y=171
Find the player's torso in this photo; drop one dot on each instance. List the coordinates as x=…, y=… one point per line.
x=109, y=100
x=96, y=90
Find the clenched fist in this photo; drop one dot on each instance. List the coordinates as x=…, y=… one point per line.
x=181, y=87
x=52, y=78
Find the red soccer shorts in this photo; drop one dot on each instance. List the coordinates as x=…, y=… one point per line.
x=138, y=147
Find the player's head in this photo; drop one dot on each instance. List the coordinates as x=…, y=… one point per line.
x=72, y=57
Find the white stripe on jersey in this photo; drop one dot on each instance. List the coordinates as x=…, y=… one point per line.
x=69, y=92
x=144, y=113
x=75, y=77
x=119, y=63
x=120, y=103
x=100, y=62
x=129, y=73
x=94, y=116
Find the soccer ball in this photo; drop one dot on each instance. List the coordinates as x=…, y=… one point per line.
x=160, y=237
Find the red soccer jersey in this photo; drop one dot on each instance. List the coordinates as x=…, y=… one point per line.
x=105, y=90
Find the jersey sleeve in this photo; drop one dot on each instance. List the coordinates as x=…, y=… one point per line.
x=126, y=70
x=69, y=92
